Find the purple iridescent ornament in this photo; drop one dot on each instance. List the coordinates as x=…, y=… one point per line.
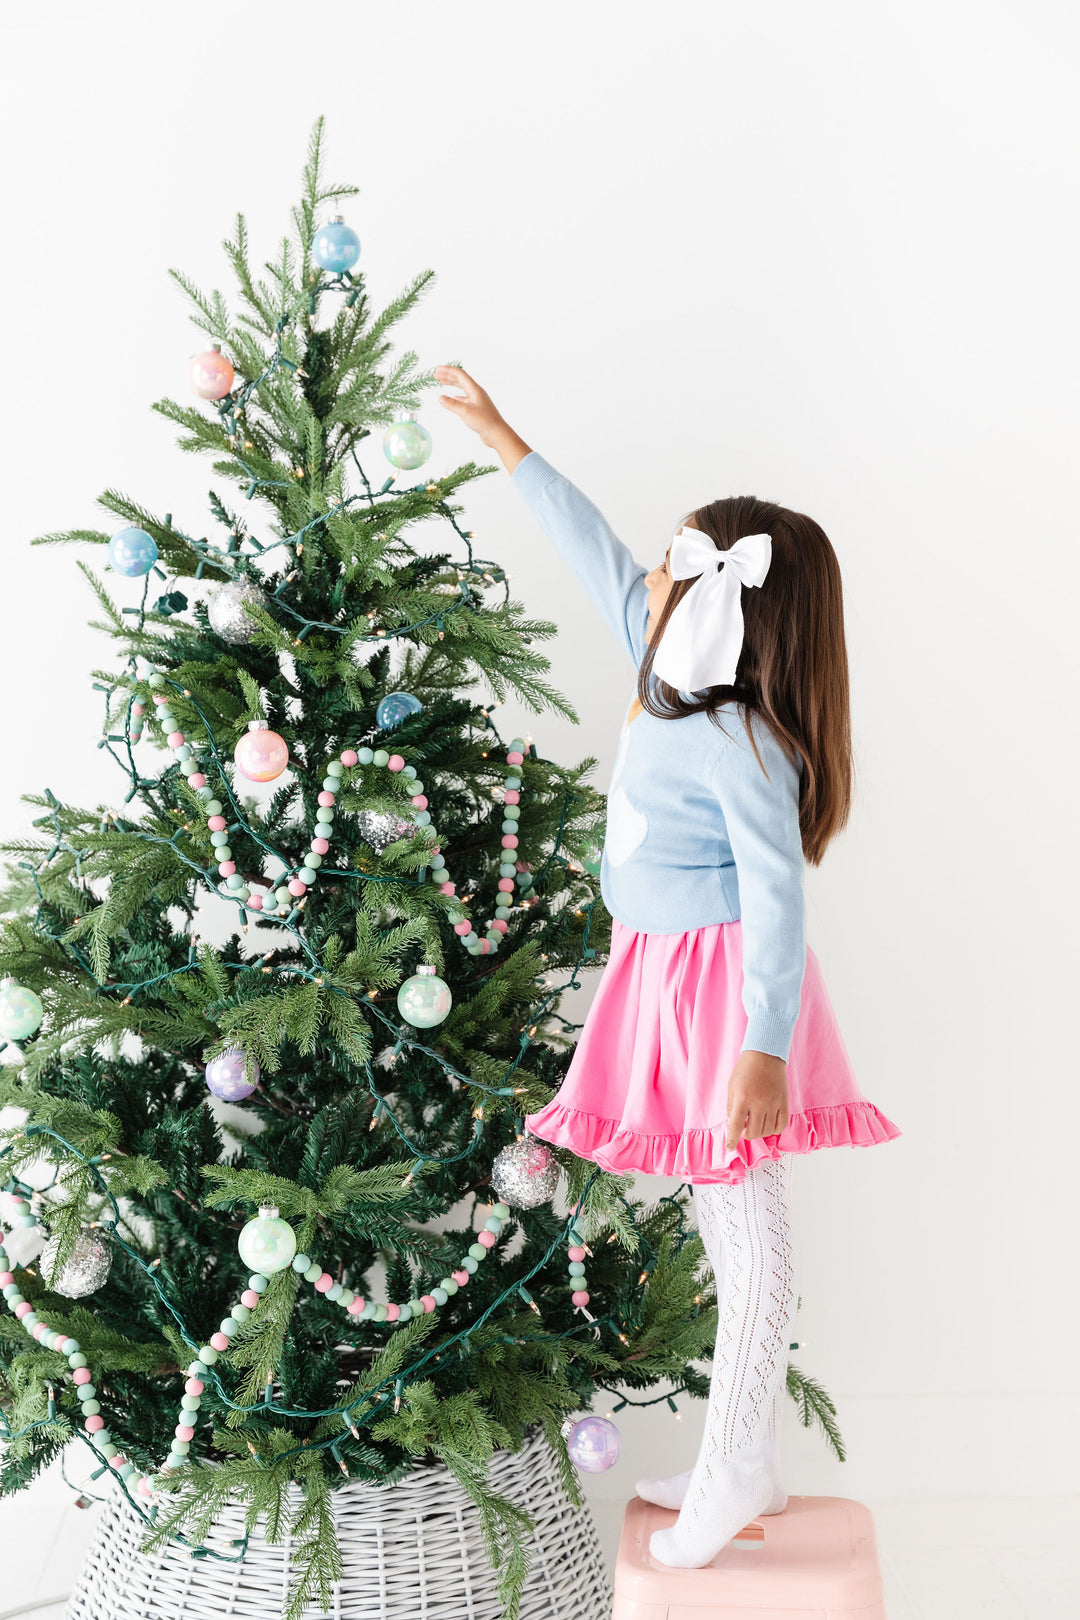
x=593, y=1444
x=226, y=1076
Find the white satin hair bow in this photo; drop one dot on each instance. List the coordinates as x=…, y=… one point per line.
x=703, y=638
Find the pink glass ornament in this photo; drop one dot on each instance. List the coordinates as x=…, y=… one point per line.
x=212, y=373
x=261, y=755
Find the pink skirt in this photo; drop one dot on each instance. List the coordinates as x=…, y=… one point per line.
x=646, y=1089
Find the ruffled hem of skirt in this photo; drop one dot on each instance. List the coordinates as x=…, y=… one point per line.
x=696, y=1154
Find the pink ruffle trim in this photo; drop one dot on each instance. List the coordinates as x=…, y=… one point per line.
x=698, y=1155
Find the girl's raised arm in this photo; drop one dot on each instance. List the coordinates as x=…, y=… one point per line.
x=580, y=532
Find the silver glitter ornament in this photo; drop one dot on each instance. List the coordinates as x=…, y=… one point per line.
x=225, y=610
x=526, y=1173
x=380, y=828
x=86, y=1268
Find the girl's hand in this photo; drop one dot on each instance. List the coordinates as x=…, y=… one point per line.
x=757, y=1099
x=476, y=410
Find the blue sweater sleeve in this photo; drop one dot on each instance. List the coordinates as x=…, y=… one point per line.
x=762, y=817
x=584, y=539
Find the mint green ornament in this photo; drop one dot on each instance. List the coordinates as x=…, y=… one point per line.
x=20, y=1010
x=425, y=999
x=592, y=861
x=407, y=444
x=267, y=1243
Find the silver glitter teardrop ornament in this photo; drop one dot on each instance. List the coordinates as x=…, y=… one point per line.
x=379, y=828
x=526, y=1173
x=86, y=1269
x=226, y=613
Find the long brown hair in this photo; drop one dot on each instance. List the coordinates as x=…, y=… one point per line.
x=793, y=670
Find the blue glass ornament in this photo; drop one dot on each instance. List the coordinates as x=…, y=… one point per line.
x=407, y=444
x=132, y=552
x=394, y=708
x=267, y=1244
x=336, y=246
x=593, y=1444
x=425, y=999
x=20, y=1011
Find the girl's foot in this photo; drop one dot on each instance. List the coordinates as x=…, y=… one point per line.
x=739, y=1490
x=670, y=1492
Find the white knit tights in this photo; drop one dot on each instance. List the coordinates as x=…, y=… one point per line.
x=746, y=1232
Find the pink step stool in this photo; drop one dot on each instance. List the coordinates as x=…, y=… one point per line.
x=817, y=1560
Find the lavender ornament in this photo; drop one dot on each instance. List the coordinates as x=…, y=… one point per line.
x=226, y=1076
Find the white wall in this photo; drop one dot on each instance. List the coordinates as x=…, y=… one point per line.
x=825, y=253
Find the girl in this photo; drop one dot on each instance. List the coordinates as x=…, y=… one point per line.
x=711, y=1050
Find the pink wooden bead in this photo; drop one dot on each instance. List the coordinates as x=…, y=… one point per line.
x=506, y=885
x=144, y=1486
x=296, y=887
x=324, y=1283
x=576, y=1252
x=499, y=924
x=350, y=757
x=485, y=947
x=226, y=868
x=580, y=1298
x=254, y=902
x=93, y=1424
x=393, y=1312
x=161, y=697
x=194, y=1386
x=219, y=1341
x=216, y=823
x=138, y=708
x=81, y=1375
x=515, y=757
x=523, y=866
x=326, y=797
x=175, y=738
x=40, y=1328
x=23, y=1308
x=509, y=841
x=118, y=1461
x=511, y=796
x=183, y=1431
x=196, y=779
x=436, y=849
x=447, y=888
x=6, y=1277
x=463, y=928
x=419, y=801
x=486, y=1239
x=428, y=1303
x=356, y=1305
x=249, y=1297
x=460, y=1277
x=320, y=845
x=395, y=763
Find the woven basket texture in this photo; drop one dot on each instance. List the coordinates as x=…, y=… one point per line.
x=411, y=1551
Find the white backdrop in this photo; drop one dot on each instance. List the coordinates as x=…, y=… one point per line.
x=821, y=252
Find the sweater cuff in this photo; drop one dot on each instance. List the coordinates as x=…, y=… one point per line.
x=768, y=1030
x=533, y=474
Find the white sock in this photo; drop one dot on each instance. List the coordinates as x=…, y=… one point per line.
x=669, y=1491
x=746, y=1231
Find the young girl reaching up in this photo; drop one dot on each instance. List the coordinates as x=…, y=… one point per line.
x=711, y=1050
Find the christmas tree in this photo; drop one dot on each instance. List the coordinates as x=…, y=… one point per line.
x=268, y=1053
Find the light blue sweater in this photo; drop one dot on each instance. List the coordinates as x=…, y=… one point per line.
x=696, y=833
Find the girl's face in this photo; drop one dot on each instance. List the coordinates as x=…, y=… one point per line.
x=659, y=583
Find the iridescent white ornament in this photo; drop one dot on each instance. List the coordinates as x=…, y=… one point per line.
x=226, y=610
x=593, y=1443
x=380, y=828
x=20, y=1011
x=425, y=999
x=85, y=1269
x=407, y=444
x=525, y=1173
x=267, y=1243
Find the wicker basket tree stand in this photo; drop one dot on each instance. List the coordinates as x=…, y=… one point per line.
x=410, y=1551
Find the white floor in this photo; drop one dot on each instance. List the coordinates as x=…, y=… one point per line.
x=964, y=1558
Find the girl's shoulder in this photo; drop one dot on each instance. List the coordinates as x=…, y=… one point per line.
x=733, y=717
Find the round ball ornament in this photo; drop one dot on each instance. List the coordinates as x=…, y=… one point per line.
x=84, y=1270
x=226, y=1076
x=267, y=1243
x=336, y=246
x=407, y=444
x=394, y=708
x=526, y=1173
x=261, y=755
x=212, y=373
x=226, y=610
x=132, y=552
x=425, y=999
x=593, y=1444
x=593, y=857
x=20, y=1011
x=380, y=828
